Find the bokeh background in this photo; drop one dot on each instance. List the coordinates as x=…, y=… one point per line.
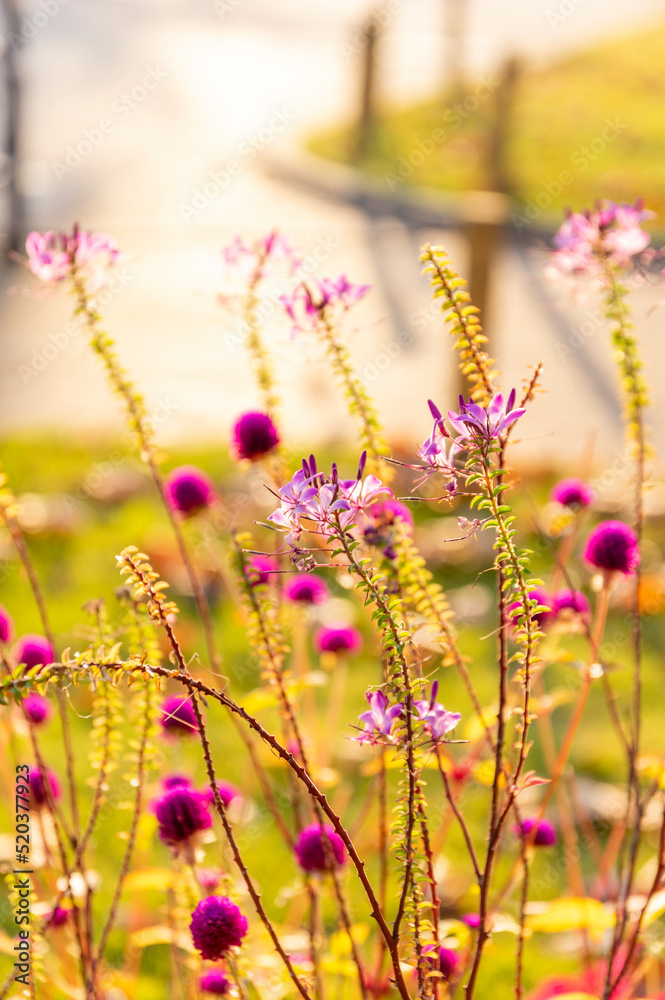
x=174, y=125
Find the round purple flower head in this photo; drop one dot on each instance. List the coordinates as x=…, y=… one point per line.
x=543, y=618
x=217, y=925
x=38, y=788
x=305, y=588
x=471, y=920
x=36, y=708
x=339, y=639
x=181, y=812
x=33, y=651
x=6, y=625
x=227, y=793
x=58, y=916
x=214, y=981
x=260, y=570
x=176, y=781
x=311, y=852
x=448, y=961
x=388, y=512
x=612, y=547
x=573, y=493
x=254, y=435
x=188, y=490
x=209, y=879
x=569, y=602
x=178, y=718
x=545, y=833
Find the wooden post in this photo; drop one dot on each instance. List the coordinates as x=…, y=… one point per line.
x=498, y=167
x=11, y=137
x=367, y=116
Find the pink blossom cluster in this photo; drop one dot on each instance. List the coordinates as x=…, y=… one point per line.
x=322, y=504
x=51, y=255
x=612, y=233
x=309, y=303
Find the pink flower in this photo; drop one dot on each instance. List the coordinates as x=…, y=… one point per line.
x=260, y=569
x=188, y=490
x=477, y=423
x=37, y=708
x=309, y=303
x=379, y=719
x=571, y=604
x=50, y=255
x=437, y=720
x=542, y=618
x=339, y=639
x=217, y=925
x=612, y=232
x=6, y=625
x=573, y=493
x=612, y=547
x=33, y=651
x=305, y=588
x=47, y=256
x=311, y=850
x=254, y=435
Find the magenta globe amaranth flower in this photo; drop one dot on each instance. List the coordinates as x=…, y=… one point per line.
x=6, y=625
x=471, y=920
x=214, y=981
x=217, y=925
x=545, y=834
x=178, y=717
x=181, y=813
x=573, y=493
x=58, y=916
x=209, y=879
x=448, y=962
x=612, y=547
x=260, y=569
x=38, y=786
x=176, y=781
x=227, y=793
x=37, y=708
x=569, y=603
x=33, y=651
x=305, y=588
x=311, y=852
x=188, y=490
x=339, y=639
x=254, y=435
x=542, y=618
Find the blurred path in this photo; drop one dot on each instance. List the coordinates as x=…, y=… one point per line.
x=151, y=119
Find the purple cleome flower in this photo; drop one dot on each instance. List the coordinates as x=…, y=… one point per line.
x=545, y=835
x=38, y=787
x=437, y=720
x=311, y=852
x=6, y=625
x=309, y=303
x=567, y=603
x=339, y=638
x=37, y=708
x=50, y=254
x=573, y=493
x=33, y=651
x=214, y=981
x=254, y=435
x=476, y=423
x=379, y=719
x=217, y=925
x=188, y=490
x=178, y=717
x=612, y=232
x=181, y=813
x=612, y=547
x=305, y=588
x=260, y=569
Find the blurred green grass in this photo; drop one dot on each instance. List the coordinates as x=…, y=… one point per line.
x=78, y=564
x=590, y=126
